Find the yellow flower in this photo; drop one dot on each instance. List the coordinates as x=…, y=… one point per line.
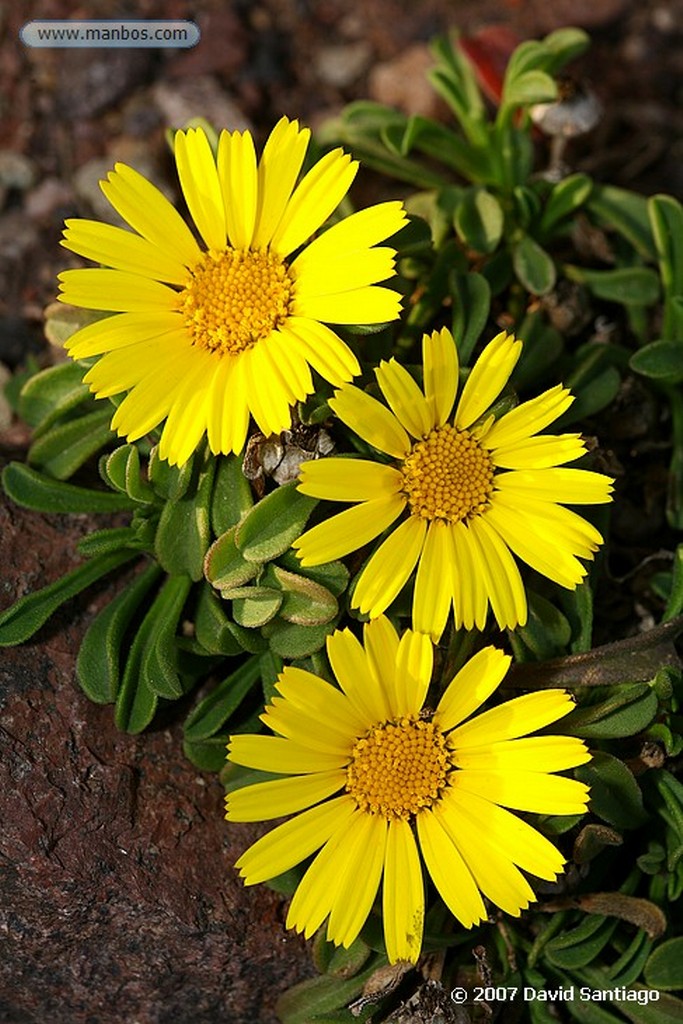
x=379, y=779
x=206, y=334
x=476, y=490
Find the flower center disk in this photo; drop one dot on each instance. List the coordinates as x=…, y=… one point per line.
x=235, y=298
x=448, y=476
x=398, y=768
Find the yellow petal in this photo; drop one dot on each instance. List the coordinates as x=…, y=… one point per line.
x=573, y=486
x=370, y=420
x=529, y=417
x=492, y=870
x=501, y=576
x=318, y=890
x=432, y=596
x=122, y=330
x=402, y=895
x=370, y=305
x=348, y=479
x=315, y=696
x=471, y=686
x=281, y=756
x=322, y=349
x=532, y=754
x=514, y=718
x=470, y=599
x=238, y=178
x=278, y=170
x=118, y=371
x=149, y=212
x=356, y=233
x=525, y=791
x=123, y=250
x=318, y=194
x=404, y=397
x=291, y=364
x=186, y=421
x=388, y=570
x=345, y=272
x=511, y=836
x=266, y=800
x=199, y=182
x=381, y=643
x=414, y=665
x=360, y=879
x=348, y=530
x=293, y=841
x=269, y=406
x=440, y=359
x=488, y=377
x=357, y=677
x=303, y=726
x=450, y=874
x=151, y=400
x=537, y=452
x=116, y=291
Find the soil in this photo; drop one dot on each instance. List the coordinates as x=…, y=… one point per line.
x=118, y=900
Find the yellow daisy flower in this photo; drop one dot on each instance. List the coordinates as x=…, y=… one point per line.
x=476, y=490
x=205, y=334
x=376, y=779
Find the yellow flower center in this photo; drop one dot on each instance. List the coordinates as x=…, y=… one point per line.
x=235, y=298
x=448, y=476
x=398, y=768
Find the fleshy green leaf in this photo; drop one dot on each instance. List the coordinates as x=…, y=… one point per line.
x=528, y=88
x=479, y=220
x=99, y=657
x=629, y=286
x=25, y=617
x=225, y=567
x=533, y=266
x=101, y=542
x=213, y=630
x=567, y=196
x=51, y=393
x=33, y=490
x=664, y=968
x=625, y=212
x=291, y=641
x=183, y=532
x=270, y=527
x=581, y=945
x=660, y=360
x=63, y=449
x=305, y=602
x=214, y=711
x=159, y=663
x=629, y=710
x=232, y=496
x=615, y=795
x=254, y=606
x=471, y=294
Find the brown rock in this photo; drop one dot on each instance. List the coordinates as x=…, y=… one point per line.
x=401, y=83
x=118, y=899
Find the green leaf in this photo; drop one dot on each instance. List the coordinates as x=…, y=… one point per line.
x=625, y=212
x=674, y=604
x=628, y=710
x=629, y=286
x=270, y=527
x=479, y=220
x=664, y=968
x=528, y=88
x=25, y=617
x=207, y=755
x=660, y=360
x=291, y=641
x=213, y=629
x=122, y=470
x=52, y=393
x=214, y=711
x=615, y=795
x=306, y=1001
x=567, y=196
x=543, y=345
x=159, y=660
x=253, y=607
x=98, y=663
x=581, y=945
x=471, y=294
x=334, y=576
x=533, y=266
x=63, y=449
x=184, y=531
x=562, y=46
x=664, y=1009
x=41, y=493
x=101, y=542
x=547, y=631
x=232, y=496
x=666, y=219
x=225, y=567
x=305, y=602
